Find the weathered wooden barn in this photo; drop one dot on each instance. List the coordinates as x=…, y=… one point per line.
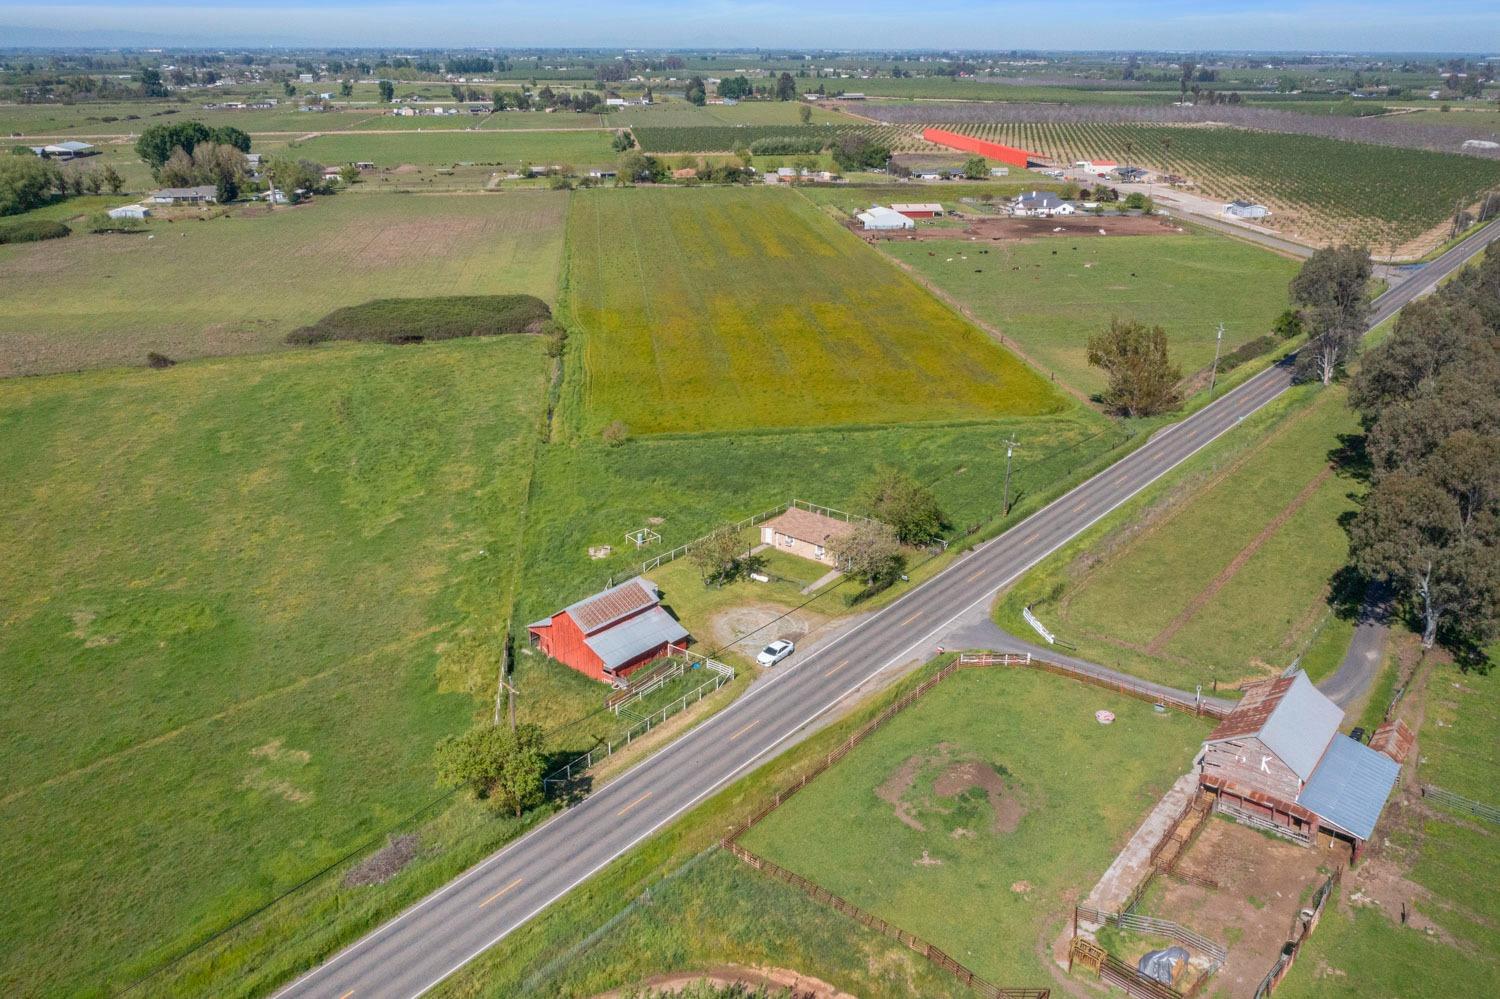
x=1278, y=761
x=610, y=634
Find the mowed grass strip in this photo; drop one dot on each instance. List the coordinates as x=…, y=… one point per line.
x=1052, y=294
x=985, y=885
x=732, y=309
x=1226, y=576
x=240, y=284
x=244, y=597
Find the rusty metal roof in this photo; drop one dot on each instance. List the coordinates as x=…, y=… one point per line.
x=804, y=525
x=1393, y=739
x=1291, y=717
x=603, y=609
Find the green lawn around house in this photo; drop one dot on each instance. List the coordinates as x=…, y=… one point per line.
x=499, y=147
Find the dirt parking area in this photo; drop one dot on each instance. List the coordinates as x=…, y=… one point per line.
x=1005, y=229
x=1263, y=883
x=748, y=628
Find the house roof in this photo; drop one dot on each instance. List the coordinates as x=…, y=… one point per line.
x=201, y=191
x=71, y=146
x=640, y=634
x=804, y=525
x=1290, y=716
x=603, y=609
x=886, y=215
x=1042, y=199
x=1240, y=203
x=1350, y=786
x=930, y=206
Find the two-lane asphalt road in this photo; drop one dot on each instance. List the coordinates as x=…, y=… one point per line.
x=434, y=938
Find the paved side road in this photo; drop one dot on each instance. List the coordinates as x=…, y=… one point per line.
x=434, y=938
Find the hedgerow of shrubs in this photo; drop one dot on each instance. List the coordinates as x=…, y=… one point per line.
x=415, y=320
x=32, y=231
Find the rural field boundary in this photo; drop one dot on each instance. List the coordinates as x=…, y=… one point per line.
x=818, y=893
x=1306, y=923
x=1191, y=705
x=1478, y=809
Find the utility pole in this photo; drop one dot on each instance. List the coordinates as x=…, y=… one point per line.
x=1213, y=376
x=1010, y=447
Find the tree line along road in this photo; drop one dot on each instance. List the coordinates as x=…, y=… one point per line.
x=426, y=943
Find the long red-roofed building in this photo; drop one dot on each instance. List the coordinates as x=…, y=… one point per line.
x=1010, y=155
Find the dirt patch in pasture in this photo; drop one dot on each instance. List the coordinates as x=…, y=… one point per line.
x=748, y=628
x=1004, y=230
x=957, y=778
x=771, y=979
x=974, y=774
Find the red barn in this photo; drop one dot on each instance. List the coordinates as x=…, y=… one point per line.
x=607, y=635
x=1009, y=155
x=929, y=210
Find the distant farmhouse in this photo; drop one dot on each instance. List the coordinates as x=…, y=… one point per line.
x=203, y=194
x=608, y=635
x=1041, y=203
x=1279, y=762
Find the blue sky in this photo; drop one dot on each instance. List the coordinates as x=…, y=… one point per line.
x=1374, y=25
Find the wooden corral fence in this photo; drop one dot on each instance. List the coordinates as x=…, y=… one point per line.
x=1307, y=921
x=1216, y=952
x=1114, y=971
x=938, y=957
x=1478, y=809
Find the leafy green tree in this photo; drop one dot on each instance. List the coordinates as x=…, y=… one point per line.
x=1142, y=378
x=1333, y=290
x=157, y=142
x=346, y=88
x=151, y=83
x=804, y=114
x=786, y=87
x=387, y=91
x=622, y=141
x=226, y=189
x=869, y=553
x=26, y=183
x=696, y=93
x=504, y=767
x=228, y=135
x=976, y=168
x=349, y=174
x=498, y=100
x=1289, y=324
x=113, y=182
x=911, y=510
x=720, y=557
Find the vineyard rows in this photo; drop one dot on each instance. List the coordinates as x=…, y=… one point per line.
x=1321, y=188
x=728, y=138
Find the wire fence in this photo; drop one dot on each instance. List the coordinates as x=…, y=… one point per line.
x=1458, y=802
x=1307, y=921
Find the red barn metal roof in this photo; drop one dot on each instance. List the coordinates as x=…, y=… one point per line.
x=603, y=609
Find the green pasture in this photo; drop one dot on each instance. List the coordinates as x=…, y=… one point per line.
x=680, y=113
x=1051, y=294
x=444, y=147
x=1461, y=734
x=1221, y=571
x=985, y=881
x=244, y=598
x=741, y=308
x=240, y=283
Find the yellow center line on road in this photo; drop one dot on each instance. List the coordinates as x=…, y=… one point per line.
x=346, y=995
x=744, y=730
x=1032, y=538
x=1081, y=504
x=632, y=804
x=487, y=901
x=974, y=575
x=837, y=668
x=912, y=618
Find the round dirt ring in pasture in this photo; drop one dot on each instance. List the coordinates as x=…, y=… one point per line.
x=748, y=628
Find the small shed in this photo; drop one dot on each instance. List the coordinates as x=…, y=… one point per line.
x=608, y=635
x=805, y=533
x=884, y=218
x=1241, y=209
x=129, y=212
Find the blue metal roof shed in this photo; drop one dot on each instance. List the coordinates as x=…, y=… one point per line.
x=1350, y=786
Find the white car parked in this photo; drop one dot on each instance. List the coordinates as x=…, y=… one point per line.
x=775, y=652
